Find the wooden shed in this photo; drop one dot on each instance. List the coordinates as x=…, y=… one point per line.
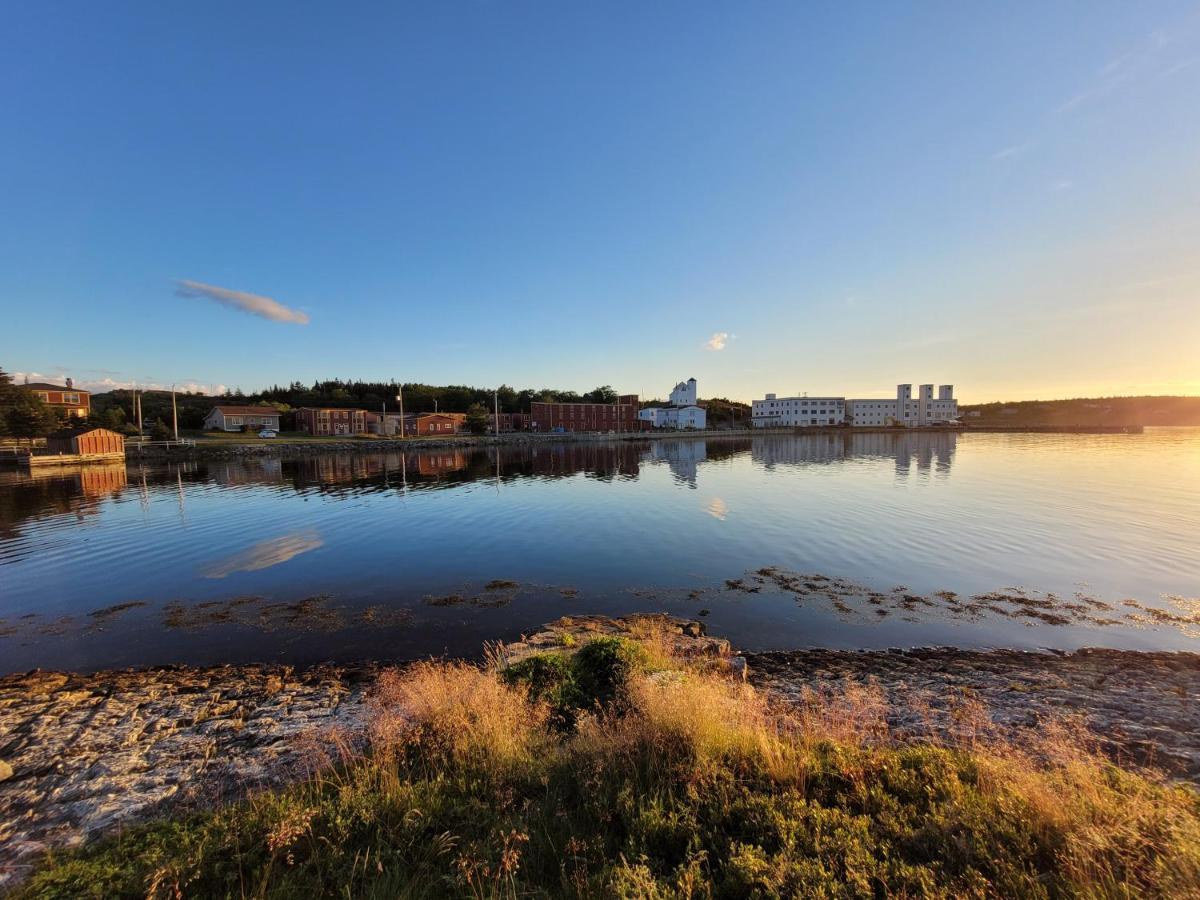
x=86, y=442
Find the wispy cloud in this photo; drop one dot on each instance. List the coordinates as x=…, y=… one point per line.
x=1062, y=185
x=718, y=340
x=255, y=304
x=1143, y=61
x=1012, y=152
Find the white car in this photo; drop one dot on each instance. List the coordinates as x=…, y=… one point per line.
x=267, y=433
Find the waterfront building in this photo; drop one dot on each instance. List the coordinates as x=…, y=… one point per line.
x=67, y=399
x=326, y=420
x=782, y=412
x=508, y=422
x=239, y=418
x=793, y=412
x=926, y=409
x=619, y=416
x=683, y=413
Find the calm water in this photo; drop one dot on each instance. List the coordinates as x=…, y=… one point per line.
x=866, y=541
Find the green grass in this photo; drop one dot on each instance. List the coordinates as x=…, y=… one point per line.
x=667, y=783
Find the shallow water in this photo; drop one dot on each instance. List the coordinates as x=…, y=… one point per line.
x=864, y=540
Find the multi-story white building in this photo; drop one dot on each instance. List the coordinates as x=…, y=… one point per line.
x=776, y=412
x=682, y=413
x=783, y=412
x=904, y=410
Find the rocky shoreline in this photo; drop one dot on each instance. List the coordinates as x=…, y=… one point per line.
x=83, y=754
x=1138, y=707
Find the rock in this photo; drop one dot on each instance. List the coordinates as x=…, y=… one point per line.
x=738, y=667
x=6, y=771
x=273, y=685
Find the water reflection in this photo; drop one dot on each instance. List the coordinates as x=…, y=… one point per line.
x=897, y=553
x=265, y=554
x=46, y=494
x=925, y=450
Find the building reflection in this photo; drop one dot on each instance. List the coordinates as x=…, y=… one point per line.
x=925, y=452
x=25, y=495
x=61, y=490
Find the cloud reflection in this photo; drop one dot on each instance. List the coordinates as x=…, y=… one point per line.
x=265, y=554
x=717, y=508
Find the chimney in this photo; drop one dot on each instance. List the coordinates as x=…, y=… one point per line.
x=70, y=384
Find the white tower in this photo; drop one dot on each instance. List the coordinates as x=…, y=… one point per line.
x=924, y=400
x=903, y=398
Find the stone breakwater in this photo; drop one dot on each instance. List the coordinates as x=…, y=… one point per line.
x=83, y=754
x=1140, y=708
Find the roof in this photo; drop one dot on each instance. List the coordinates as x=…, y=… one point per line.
x=245, y=410
x=46, y=386
x=83, y=429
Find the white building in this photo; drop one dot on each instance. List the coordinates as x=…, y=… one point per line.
x=783, y=412
x=683, y=413
x=684, y=393
x=904, y=410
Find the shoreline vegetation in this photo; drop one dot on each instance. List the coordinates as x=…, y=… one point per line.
x=637, y=757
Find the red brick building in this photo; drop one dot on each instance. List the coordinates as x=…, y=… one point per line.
x=619, y=416
x=509, y=422
x=330, y=420
x=68, y=399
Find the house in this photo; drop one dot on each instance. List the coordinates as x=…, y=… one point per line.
x=241, y=418
x=67, y=399
x=86, y=442
x=619, y=416
x=327, y=420
x=437, y=424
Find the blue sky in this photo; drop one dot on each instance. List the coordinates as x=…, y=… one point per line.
x=1003, y=196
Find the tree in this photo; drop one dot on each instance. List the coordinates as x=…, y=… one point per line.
x=604, y=394
x=22, y=414
x=477, y=418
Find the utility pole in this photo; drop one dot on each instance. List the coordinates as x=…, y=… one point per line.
x=174, y=413
x=400, y=400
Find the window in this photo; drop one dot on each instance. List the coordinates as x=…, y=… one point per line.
x=72, y=399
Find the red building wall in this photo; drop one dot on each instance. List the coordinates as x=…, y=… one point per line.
x=619, y=416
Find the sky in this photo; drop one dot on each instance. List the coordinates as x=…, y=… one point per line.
x=767, y=197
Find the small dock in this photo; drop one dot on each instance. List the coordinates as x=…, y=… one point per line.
x=38, y=460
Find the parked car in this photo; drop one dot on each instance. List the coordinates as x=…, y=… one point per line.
x=267, y=433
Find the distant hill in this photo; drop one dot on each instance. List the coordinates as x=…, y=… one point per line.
x=1087, y=411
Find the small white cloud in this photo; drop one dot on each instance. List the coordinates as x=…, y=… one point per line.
x=254, y=304
x=718, y=340
x=1063, y=185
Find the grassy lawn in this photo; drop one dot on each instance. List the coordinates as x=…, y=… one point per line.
x=616, y=771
